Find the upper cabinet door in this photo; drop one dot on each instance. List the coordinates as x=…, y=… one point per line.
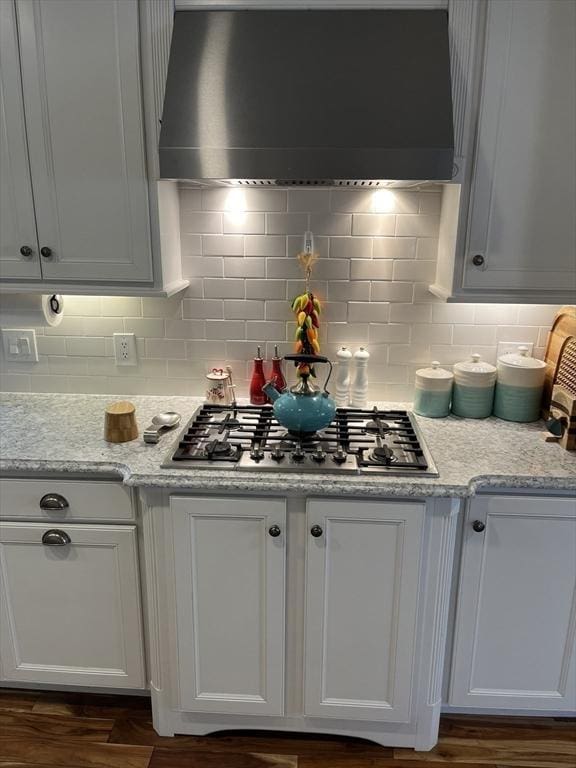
x=515, y=634
x=17, y=224
x=81, y=82
x=229, y=561
x=522, y=216
x=362, y=575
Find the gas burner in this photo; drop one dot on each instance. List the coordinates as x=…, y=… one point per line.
x=217, y=448
x=382, y=454
x=248, y=437
x=377, y=427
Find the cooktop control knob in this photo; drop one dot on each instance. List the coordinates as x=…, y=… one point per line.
x=277, y=453
x=256, y=454
x=339, y=456
x=298, y=455
x=319, y=456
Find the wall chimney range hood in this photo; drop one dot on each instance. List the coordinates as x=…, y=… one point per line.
x=308, y=98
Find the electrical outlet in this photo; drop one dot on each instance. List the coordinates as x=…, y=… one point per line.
x=20, y=345
x=505, y=347
x=125, y=349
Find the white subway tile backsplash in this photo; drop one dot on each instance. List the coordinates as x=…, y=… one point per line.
x=246, y=266
x=246, y=309
x=225, y=329
x=389, y=291
x=116, y=306
x=92, y=347
x=373, y=224
x=196, y=309
x=351, y=247
x=416, y=271
x=346, y=290
x=394, y=248
x=223, y=245
x=368, y=312
x=213, y=266
x=244, y=223
x=223, y=289
x=202, y=222
x=286, y=223
x=239, y=251
x=145, y=327
x=265, y=245
x=417, y=225
x=295, y=244
x=371, y=269
x=474, y=334
x=308, y=201
x=331, y=223
x=389, y=333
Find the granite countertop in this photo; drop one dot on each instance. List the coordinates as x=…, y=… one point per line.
x=63, y=433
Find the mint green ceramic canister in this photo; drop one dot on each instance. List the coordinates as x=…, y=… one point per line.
x=519, y=386
x=473, y=392
x=433, y=391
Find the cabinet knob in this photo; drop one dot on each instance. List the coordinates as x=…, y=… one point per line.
x=46, y=252
x=53, y=501
x=478, y=526
x=316, y=531
x=478, y=260
x=55, y=538
x=26, y=251
x=274, y=531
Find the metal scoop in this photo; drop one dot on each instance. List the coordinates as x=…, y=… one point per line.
x=161, y=422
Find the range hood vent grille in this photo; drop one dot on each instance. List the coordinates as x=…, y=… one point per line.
x=327, y=183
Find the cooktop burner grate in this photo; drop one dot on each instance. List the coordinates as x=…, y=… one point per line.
x=248, y=437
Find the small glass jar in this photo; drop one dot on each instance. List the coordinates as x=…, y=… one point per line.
x=433, y=391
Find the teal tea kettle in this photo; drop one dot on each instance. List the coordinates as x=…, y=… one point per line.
x=303, y=408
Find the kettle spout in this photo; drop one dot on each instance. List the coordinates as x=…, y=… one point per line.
x=271, y=391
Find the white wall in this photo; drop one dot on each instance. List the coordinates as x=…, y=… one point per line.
x=239, y=253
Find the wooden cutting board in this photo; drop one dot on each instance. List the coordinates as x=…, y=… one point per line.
x=563, y=329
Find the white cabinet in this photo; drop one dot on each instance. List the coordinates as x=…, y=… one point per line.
x=74, y=147
x=515, y=635
x=229, y=557
x=362, y=575
x=70, y=612
x=17, y=223
x=517, y=236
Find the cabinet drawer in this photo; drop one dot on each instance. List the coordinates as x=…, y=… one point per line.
x=21, y=499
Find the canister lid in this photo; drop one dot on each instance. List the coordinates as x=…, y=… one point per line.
x=434, y=372
x=521, y=359
x=217, y=374
x=475, y=365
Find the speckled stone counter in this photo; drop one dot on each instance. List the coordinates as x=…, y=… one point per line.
x=63, y=433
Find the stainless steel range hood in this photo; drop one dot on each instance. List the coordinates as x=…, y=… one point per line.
x=306, y=98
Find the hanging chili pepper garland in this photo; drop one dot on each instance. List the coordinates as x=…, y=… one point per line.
x=307, y=309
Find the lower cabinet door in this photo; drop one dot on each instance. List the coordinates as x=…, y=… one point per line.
x=229, y=568
x=363, y=564
x=515, y=637
x=70, y=605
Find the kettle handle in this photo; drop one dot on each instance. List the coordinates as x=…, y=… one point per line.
x=312, y=359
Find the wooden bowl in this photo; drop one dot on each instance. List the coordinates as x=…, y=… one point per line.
x=120, y=422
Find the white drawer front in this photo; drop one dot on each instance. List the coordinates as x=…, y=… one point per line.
x=21, y=500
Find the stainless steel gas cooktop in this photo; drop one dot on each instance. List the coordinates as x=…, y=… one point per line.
x=248, y=437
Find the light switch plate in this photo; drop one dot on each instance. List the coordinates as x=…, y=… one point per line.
x=20, y=345
x=505, y=347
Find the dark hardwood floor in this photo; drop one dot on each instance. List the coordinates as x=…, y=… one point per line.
x=56, y=730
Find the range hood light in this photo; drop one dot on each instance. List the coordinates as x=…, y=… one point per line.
x=235, y=206
x=383, y=201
